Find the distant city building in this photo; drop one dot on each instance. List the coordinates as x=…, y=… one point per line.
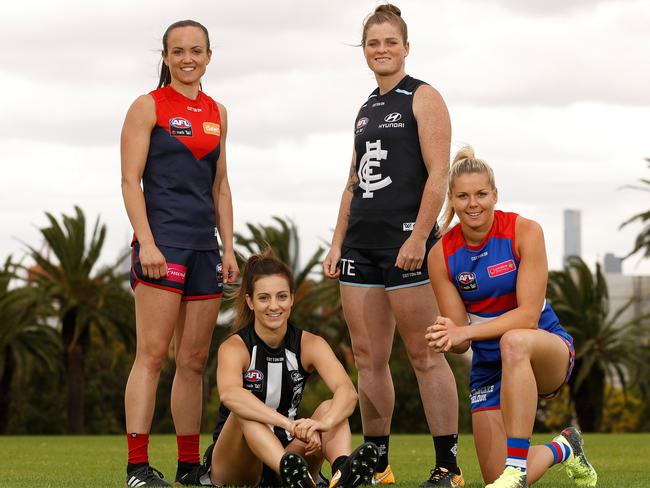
x=612, y=264
x=572, y=232
x=623, y=288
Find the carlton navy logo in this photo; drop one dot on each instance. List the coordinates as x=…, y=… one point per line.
x=394, y=117
x=368, y=180
x=467, y=281
x=178, y=126
x=361, y=124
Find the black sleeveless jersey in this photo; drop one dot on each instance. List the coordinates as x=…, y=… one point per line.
x=275, y=376
x=390, y=168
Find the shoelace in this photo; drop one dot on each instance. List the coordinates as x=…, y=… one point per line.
x=438, y=474
x=151, y=470
x=579, y=468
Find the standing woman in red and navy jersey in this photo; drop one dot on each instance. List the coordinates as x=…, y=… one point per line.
x=173, y=142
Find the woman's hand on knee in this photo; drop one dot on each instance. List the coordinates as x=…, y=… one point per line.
x=437, y=336
x=306, y=428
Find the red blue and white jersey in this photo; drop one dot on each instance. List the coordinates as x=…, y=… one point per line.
x=180, y=170
x=486, y=279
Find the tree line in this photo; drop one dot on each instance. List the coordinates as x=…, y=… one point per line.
x=67, y=338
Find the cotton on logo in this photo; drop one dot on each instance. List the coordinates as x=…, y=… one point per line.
x=394, y=117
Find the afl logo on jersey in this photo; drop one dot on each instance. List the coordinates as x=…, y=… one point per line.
x=253, y=376
x=466, y=281
x=178, y=126
x=361, y=124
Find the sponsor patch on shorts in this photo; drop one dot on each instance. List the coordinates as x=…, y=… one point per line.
x=408, y=226
x=176, y=272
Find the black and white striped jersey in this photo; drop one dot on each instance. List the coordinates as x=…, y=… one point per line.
x=274, y=375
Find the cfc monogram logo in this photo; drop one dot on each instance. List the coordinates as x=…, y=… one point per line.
x=368, y=180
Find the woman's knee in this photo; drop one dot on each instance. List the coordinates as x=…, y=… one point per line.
x=422, y=358
x=192, y=362
x=368, y=358
x=514, y=346
x=322, y=409
x=152, y=358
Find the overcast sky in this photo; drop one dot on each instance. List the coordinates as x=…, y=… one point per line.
x=554, y=94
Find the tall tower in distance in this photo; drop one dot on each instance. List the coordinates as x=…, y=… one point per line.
x=572, y=231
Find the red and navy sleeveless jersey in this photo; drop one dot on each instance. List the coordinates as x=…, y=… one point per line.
x=274, y=375
x=180, y=170
x=390, y=167
x=486, y=279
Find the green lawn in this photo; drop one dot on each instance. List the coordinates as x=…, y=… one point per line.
x=622, y=460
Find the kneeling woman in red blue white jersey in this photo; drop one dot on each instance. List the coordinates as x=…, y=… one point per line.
x=261, y=374
x=490, y=272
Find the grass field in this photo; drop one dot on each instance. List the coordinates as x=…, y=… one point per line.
x=622, y=460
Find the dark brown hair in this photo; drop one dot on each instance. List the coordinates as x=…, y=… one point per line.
x=165, y=75
x=386, y=12
x=258, y=265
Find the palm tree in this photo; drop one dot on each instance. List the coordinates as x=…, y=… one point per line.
x=606, y=350
x=86, y=301
x=642, y=242
x=26, y=341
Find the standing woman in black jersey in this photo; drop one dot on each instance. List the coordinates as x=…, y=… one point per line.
x=386, y=225
x=261, y=374
x=173, y=143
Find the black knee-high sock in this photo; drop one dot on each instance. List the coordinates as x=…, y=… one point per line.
x=446, y=447
x=382, y=444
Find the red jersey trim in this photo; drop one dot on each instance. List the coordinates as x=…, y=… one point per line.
x=503, y=226
x=500, y=304
x=485, y=408
x=201, y=297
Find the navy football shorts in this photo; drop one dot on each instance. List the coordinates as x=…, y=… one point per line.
x=196, y=275
x=487, y=396
x=375, y=268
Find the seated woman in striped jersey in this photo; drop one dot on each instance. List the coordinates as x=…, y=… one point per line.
x=491, y=268
x=262, y=370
